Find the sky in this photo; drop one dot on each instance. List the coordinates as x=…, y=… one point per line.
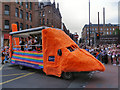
x=75, y=13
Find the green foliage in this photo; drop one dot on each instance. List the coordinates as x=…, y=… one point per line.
x=116, y=32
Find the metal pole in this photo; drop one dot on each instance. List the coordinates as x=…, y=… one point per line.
x=103, y=19
x=98, y=24
x=94, y=38
x=89, y=22
x=98, y=30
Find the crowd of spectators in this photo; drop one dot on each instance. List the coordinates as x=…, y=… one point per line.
x=107, y=54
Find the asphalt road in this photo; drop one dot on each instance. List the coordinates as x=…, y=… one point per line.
x=13, y=77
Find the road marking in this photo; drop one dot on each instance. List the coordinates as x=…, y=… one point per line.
x=16, y=78
x=1, y=67
x=13, y=74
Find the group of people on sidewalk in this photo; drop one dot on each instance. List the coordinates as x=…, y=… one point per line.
x=107, y=54
x=5, y=54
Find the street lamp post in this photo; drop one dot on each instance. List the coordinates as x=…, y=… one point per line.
x=89, y=22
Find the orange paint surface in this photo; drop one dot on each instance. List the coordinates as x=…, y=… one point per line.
x=76, y=61
x=16, y=40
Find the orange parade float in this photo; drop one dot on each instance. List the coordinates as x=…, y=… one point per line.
x=60, y=54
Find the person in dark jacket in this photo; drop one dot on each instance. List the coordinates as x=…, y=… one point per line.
x=22, y=43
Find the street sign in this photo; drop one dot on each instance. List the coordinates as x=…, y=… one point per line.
x=76, y=36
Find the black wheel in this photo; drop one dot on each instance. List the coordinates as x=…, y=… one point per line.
x=67, y=75
x=21, y=67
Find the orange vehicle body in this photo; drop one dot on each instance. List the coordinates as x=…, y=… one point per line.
x=76, y=60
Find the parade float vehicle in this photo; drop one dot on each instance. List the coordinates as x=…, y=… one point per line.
x=59, y=55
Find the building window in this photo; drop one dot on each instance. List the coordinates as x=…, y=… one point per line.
x=40, y=21
x=87, y=32
x=107, y=29
x=21, y=13
x=17, y=25
x=17, y=1
x=110, y=33
x=30, y=18
x=26, y=15
x=27, y=26
x=30, y=26
x=87, y=29
x=21, y=3
x=7, y=10
x=113, y=29
x=47, y=21
x=43, y=14
x=30, y=5
x=21, y=26
x=43, y=21
x=41, y=6
x=95, y=29
x=16, y=12
x=26, y=4
x=6, y=24
x=104, y=33
x=101, y=29
x=107, y=33
x=40, y=13
x=110, y=29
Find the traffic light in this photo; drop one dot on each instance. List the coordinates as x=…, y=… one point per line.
x=97, y=36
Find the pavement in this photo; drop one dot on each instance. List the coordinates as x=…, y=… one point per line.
x=107, y=79
x=13, y=77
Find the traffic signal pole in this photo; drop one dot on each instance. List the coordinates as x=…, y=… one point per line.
x=94, y=38
x=89, y=22
x=98, y=31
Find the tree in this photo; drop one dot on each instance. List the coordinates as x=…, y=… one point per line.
x=116, y=32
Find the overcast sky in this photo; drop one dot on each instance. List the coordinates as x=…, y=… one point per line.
x=75, y=13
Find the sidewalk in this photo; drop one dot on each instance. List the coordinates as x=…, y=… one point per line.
x=107, y=79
